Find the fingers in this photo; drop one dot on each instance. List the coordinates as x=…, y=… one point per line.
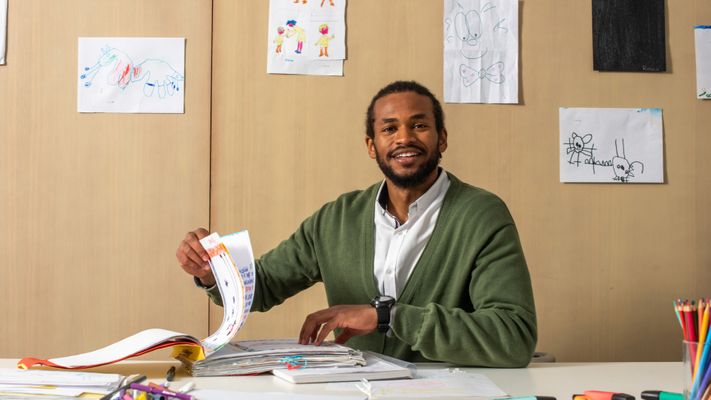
x=325, y=330
x=353, y=319
x=310, y=327
x=192, y=256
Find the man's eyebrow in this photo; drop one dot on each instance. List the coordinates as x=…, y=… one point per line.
x=416, y=116
x=388, y=120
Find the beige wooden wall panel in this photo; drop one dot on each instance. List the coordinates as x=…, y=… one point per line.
x=92, y=206
x=606, y=260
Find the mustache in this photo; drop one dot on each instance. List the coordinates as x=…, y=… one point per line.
x=410, y=147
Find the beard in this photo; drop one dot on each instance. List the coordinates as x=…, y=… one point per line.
x=413, y=179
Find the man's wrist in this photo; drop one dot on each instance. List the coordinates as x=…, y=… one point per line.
x=199, y=283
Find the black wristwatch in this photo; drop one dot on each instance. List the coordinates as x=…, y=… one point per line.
x=382, y=305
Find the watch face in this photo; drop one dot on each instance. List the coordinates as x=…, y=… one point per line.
x=380, y=301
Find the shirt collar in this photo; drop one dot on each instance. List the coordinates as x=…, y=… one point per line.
x=419, y=205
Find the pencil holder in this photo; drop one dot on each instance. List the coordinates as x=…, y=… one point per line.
x=689, y=350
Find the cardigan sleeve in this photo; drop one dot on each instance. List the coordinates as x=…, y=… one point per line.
x=287, y=269
x=500, y=332
x=282, y=272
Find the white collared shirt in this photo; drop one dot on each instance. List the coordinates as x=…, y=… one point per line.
x=399, y=247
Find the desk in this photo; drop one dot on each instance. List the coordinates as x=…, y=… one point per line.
x=553, y=379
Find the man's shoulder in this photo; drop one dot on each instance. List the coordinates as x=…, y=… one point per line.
x=354, y=201
x=470, y=199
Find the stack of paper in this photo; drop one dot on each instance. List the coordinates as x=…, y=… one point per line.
x=17, y=383
x=377, y=367
x=252, y=357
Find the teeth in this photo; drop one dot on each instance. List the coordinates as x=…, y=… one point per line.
x=406, y=155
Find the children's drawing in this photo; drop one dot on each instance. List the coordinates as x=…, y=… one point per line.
x=702, y=37
x=3, y=29
x=623, y=168
x=131, y=75
x=619, y=145
x=578, y=146
x=481, y=51
x=279, y=39
x=493, y=73
x=292, y=24
x=155, y=76
x=322, y=42
x=298, y=32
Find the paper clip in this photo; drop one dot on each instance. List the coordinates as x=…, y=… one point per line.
x=294, y=362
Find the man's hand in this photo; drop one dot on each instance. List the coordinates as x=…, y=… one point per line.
x=355, y=320
x=193, y=257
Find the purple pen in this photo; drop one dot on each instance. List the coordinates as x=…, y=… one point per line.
x=167, y=393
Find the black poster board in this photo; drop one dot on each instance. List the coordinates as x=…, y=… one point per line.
x=628, y=35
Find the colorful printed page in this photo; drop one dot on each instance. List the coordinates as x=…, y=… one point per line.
x=702, y=35
x=3, y=30
x=481, y=51
x=306, y=37
x=131, y=75
x=240, y=249
x=613, y=145
x=230, y=265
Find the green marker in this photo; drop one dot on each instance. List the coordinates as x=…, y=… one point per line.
x=660, y=395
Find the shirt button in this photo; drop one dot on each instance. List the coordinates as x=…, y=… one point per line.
x=389, y=271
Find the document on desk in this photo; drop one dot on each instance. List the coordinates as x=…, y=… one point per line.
x=55, y=383
x=377, y=367
x=232, y=262
x=211, y=394
x=430, y=384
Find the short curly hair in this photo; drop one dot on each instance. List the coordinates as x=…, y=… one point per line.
x=402, y=87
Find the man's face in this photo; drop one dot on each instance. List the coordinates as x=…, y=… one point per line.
x=406, y=144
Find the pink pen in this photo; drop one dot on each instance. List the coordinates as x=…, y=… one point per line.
x=162, y=392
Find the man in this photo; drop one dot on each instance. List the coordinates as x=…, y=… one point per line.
x=422, y=266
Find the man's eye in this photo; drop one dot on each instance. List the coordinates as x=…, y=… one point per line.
x=420, y=126
x=389, y=129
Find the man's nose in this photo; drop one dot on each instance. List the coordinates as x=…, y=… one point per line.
x=404, y=135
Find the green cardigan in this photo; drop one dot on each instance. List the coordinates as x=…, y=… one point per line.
x=468, y=301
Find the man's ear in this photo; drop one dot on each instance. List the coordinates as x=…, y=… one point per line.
x=370, y=144
x=442, y=141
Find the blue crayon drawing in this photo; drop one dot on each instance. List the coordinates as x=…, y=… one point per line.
x=157, y=76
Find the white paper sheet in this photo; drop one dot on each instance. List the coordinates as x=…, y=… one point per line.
x=481, y=51
x=13, y=376
x=213, y=394
x=616, y=145
x=122, y=349
x=306, y=37
x=131, y=75
x=702, y=34
x=3, y=30
x=439, y=384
